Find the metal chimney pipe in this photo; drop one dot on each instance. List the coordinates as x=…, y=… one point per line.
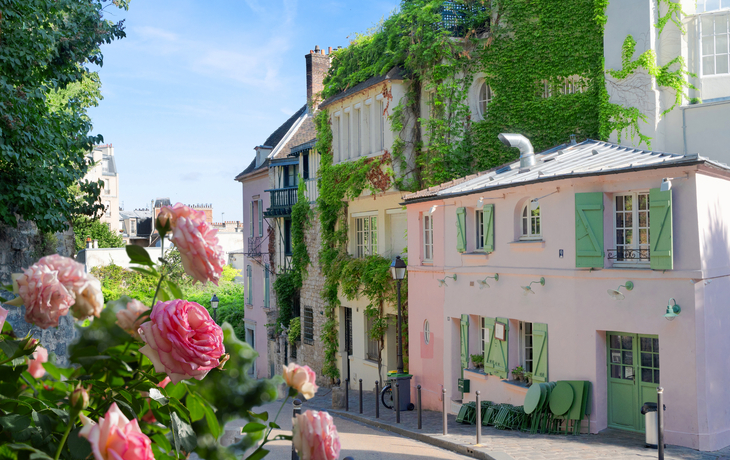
x=527, y=153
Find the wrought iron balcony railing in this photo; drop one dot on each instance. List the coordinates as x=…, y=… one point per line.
x=629, y=254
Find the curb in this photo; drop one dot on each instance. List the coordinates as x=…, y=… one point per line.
x=437, y=442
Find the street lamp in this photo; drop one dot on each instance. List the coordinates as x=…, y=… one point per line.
x=214, y=306
x=398, y=270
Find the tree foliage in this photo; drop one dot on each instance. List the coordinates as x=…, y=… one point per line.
x=46, y=86
x=87, y=228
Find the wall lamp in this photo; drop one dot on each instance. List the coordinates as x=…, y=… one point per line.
x=616, y=293
x=528, y=289
x=535, y=203
x=483, y=283
x=673, y=310
x=480, y=203
x=442, y=282
x=667, y=182
x=433, y=208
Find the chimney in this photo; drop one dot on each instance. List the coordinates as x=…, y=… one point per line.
x=317, y=65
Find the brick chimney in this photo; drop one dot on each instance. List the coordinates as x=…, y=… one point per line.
x=317, y=65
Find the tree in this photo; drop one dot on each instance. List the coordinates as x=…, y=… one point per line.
x=86, y=228
x=45, y=90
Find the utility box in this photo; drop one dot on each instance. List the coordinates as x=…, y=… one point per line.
x=464, y=385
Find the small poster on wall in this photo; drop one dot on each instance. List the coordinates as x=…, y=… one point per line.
x=616, y=357
x=499, y=330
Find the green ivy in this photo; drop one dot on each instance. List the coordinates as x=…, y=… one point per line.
x=295, y=330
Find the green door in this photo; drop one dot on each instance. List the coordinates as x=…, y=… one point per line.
x=633, y=376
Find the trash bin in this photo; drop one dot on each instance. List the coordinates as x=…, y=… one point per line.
x=404, y=387
x=651, y=424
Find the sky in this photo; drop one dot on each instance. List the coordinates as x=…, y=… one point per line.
x=196, y=85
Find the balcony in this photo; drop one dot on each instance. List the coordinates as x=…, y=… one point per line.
x=282, y=199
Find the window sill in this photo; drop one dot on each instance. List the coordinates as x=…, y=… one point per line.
x=370, y=363
x=527, y=245
x=516, y=383
x=427, y=263
x=474, y=258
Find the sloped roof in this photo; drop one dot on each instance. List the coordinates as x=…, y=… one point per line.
x=394, y=74
x=588, y=158
x=304, y=133
x=251, y=167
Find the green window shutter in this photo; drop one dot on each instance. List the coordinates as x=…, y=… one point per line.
x=660, y=229
x=464, y=341
x=539, y=352
x=500, y=352
x=589, y=230
x=489, y=326
x=267, y=286
x=488, y=229
x=250, y=219
x=248, y=285
x=261, y=217
x=461, y=229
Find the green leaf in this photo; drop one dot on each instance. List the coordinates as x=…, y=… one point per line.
x=162, y=442
x=215, y=427
x=175, y=290
x=253, y=427
x=15, y=422
x=36, y=454
x=146, y=271
x=158, y=396
x=258, y=454
x=176, y=390
x=125, y=408
x=182, y=434
x=139, y=255
x=79, y=447
x=262, y=416
x=195, y=406
x=273, y=425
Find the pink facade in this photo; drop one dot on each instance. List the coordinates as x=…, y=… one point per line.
x=574, y=305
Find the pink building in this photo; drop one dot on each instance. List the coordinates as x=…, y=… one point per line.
x=569, y=263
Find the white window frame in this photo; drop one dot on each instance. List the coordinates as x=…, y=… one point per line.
x=369, y=341
x=427, y=237
x=357, y=131
x=635, y=227
x=347, y=129
x=485, y=95
x=132, y=226
x=526, y=343
x=479, y=219
x=530, y=218
x=107, y=208
x=426, y=332
x=366, y=240
x=715, y=36
x=483, y=334
x=337, y=135
x=381, y=121
x=701, y=6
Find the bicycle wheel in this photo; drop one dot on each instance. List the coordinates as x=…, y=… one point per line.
x=386, y=395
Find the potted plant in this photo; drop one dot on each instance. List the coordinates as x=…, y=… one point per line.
x=478, y=361
x=518, y=373
x=528, y=378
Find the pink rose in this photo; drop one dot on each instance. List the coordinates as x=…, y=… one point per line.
x=44, y=297
x=129, y=320
x=85, y=288
x=202, y=256
x=315, y=436
x=164, y=383
x=35, y=362
x=301, y=378
x=182, y=340
x=116, y=438
x=3, y=315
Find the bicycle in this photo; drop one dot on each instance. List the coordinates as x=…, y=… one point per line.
x=388, y=398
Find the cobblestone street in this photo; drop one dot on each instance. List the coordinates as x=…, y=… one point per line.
x=505, y=444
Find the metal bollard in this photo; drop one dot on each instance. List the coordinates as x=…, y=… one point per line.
x=397, y=402
x=377, y=399
x=446, y=430
x=297, y=410
x=347, y=395
x=479, y=419
x=419, y=406
x=660, y=420
x=361, y=396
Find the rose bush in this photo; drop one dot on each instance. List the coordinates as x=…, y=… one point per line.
x=129, y=318
x=116, y=438
x=315, y=436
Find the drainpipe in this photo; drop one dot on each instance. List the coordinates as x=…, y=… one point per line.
x=527, y=153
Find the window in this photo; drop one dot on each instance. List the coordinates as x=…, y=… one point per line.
x=336, y=138
x=426, y=332
x=107, y=208
x=356, y=134
x=480, y=229
x=484, y=332
x=250, y=219
x=107, y=190
x=366, y=238
x=346, y=136
x=531, y=228
x=632, y=227
x=291, y=175
x=427, y=237
x=485, y=97
x=267, y=286
x=526, y=346
x=373, y=344
x=381, y=120
x=249, y=285
x=715, y=53
x=712, y=5
x=308, y=326
x=132, y=226
x=261, y=217
x=305, y=166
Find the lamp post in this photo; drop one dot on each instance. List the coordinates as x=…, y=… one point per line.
x=214, y=306
x=398, y=270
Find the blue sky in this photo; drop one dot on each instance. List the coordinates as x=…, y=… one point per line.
x=197, y=84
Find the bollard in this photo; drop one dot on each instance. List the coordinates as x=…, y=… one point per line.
x=347, y=395
x=419, y=406
x=446, y=430
x=479, y=419
x=660, y=421
x=297, y=410
x=377, y=399
x=397, y=402
x=361, y=396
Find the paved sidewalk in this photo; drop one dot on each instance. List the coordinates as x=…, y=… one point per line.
x=505, y=444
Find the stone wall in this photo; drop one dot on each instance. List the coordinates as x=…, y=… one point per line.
x=21, y=247
x=311, y=296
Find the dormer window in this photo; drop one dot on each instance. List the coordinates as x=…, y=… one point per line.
x=531, y=221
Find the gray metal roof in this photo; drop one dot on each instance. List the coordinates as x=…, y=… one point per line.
x=587, y=158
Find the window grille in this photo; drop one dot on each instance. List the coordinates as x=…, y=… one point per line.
x=308, y=326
